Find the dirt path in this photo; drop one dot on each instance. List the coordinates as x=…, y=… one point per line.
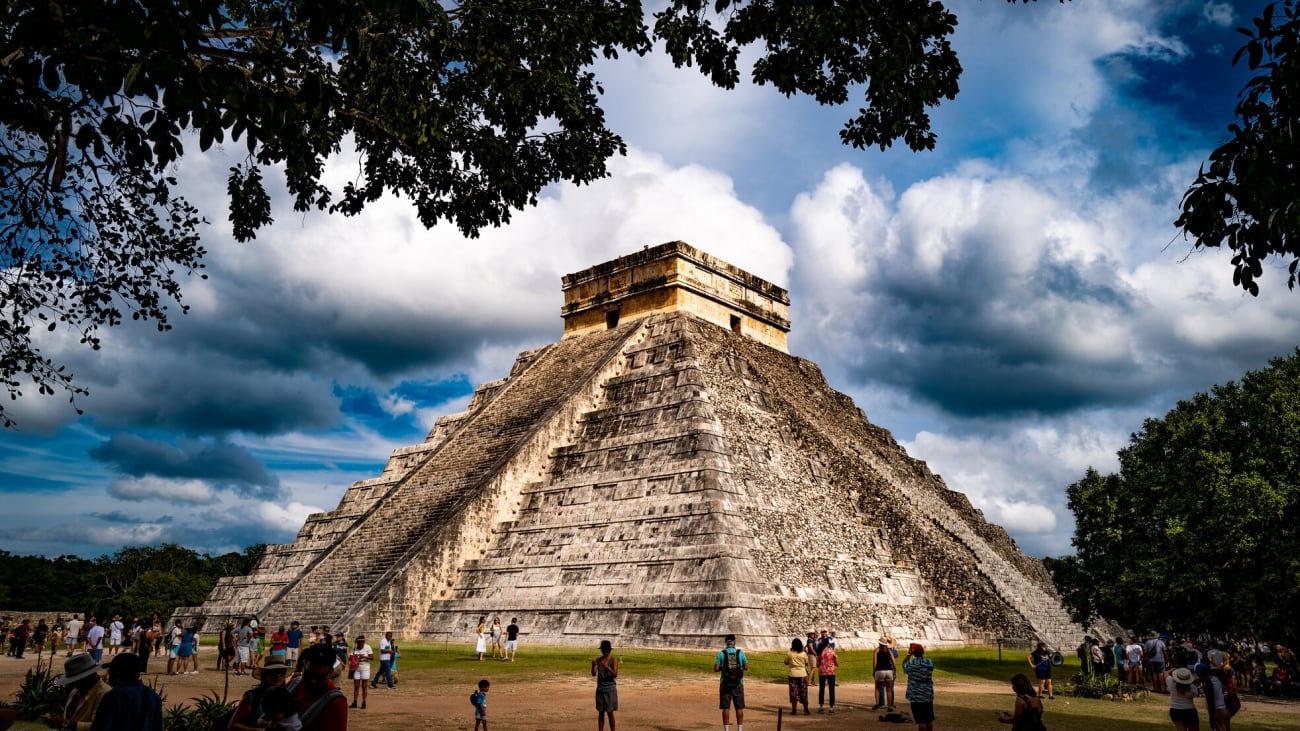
x=439, y=699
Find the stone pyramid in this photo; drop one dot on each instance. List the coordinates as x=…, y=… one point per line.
x=664, y=474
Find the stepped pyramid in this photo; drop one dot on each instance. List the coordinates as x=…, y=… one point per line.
x=664, y=474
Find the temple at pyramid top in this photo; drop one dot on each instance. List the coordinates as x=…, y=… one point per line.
x=675, y=277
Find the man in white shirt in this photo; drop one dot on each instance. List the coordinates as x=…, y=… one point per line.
x=1133, y=659
x=95, y=639
x=385, y=661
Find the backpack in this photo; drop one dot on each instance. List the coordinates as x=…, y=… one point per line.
x=1231, y=700
x=732, y=672
x=476, y=699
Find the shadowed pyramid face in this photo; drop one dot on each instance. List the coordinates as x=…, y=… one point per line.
x=654, y=480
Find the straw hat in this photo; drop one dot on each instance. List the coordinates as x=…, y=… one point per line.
x=77, y=667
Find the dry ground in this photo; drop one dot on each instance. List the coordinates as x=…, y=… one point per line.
x=439, y=699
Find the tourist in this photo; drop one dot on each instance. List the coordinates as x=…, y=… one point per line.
x=359, y=665
x=174, y=636
x=495, y=635
x=920, y=686
x=73, y=633
x=156, y=634
x=385, y=661
x=340, y=648
x=1133, y=657
x=320, y=705
x=1041, y=661
x=732, y=664
x=185, y=656
x=827, y=662
x=18, y=638
x=479, y=699
x=512, y=639
x=480, y=642
x=796, y=662
x=392, y=667
x=1213, y=689
x=115, y=630
x=226, y=646
x=130, y=705
x=1028, y=712
x=883, y=666
x=605, y=670
x=40, y=635
x=81, y=672
x=1181, y=686
x=280, y=645
x=94, y=639
x=810, y=649
x=278, y=712
x=243, y=646
x=295, y=643
x=249, y=710
x=1157, y=656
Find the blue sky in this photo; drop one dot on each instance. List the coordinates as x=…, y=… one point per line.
x=1011, y=305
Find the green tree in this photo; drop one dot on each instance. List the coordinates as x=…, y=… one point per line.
x=1199, y=528
x=466, y=109
x=1247, y=195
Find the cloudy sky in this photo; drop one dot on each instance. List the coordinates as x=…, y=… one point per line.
x=1011, y=305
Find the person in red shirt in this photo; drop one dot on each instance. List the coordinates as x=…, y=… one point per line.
x=320, y=705
x=280, y=645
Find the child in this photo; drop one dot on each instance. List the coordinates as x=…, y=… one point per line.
x=479, y=699
x=278, y=713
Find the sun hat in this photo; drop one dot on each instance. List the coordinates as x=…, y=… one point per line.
x=1215, y=657
x=884, y=641
x=1183, y=676
x=916, y=646
x=77, y=667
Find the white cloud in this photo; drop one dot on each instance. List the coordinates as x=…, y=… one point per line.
x=1220, y=14
x=194, y=492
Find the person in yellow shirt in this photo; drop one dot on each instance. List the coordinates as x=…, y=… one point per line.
x=82, y=673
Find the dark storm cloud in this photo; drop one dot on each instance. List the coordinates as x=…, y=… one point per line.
x=117, y=516
x=221, y=464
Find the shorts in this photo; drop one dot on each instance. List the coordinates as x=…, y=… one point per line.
x=923, y=712
x=241, y=655
x=729, y=695
x=174, y=652
x=1043, y=673
x=292, y=655
x=1185, y=716
x=607, y=700
x=884, y=676
x=361, y=673
x=1157, y=667
x=480, y=714
x=511, y=645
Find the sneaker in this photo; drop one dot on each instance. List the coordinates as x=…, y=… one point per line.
x=832, y=709
x=363, y=705
x=876, y=707
x=354, y=705
x=821, y=710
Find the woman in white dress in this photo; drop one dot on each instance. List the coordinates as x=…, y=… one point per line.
x=481, y=645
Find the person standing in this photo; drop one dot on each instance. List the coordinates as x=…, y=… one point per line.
x=129, y=706
x=883, y=666
x=810, y=649
x=280, y=644
x=512, y=639
x=495, y=635
x=74, y=632
x=827, y=663
x=115, y=630
x=82, y=673
x=385, y=661
x=1041, y=661
x=796, y=662
x=1181, y=686
x=605, y=670
x=19, y=638
x=243, y=646
x=1133, y=656
x=295, y=643
x=480, y=638
x=732, y=664
x=359, y=662
x=920, y=686
x=479, y=699
x=95, y=639
x=1157, y=654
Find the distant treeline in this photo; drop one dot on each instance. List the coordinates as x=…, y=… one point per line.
x=134, y=582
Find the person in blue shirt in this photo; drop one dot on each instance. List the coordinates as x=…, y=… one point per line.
x=731, y=663
x=920, y=686
x=295, y=642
